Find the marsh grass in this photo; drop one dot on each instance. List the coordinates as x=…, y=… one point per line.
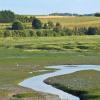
x=16, y=61
x=84, y=84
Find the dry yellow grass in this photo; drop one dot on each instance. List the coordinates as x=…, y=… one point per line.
x=72, y=22
x=54, y=17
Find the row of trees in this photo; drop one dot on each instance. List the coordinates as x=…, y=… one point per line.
x=25, y=19
x=7, y=16
x=44, y=29
x=36, y=24
x=58, y=28
x=97, y=14
x=49, y=32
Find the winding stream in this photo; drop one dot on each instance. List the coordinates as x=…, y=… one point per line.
x=37, y=82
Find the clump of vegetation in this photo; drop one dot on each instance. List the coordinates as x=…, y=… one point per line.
x=84, y=84
x=36, y=23
x=23, y=95
x=78, y=93
x=7, y=16
x=91, y=31
x=97, y=14
x=17, y=25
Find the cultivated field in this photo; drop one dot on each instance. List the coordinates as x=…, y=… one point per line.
x=72, y=22
x=69, y=22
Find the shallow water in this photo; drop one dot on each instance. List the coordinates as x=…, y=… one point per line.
x=37, y=82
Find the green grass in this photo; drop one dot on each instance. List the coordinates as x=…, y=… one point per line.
x=34, y=53
x=55, y=43
x=23, y=95
x=85, y=84
x=44, y=51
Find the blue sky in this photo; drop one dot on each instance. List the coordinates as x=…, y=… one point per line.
x=49, y=6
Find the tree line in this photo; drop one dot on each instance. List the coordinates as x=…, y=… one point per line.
x=40, y=29
x=9, y=16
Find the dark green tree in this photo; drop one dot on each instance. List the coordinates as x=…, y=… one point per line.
x=97, y=14
x=57, y=28
x=45, y=26
x=7, y=33
x=7, y=16
x=36, y=23
x=50, y=25
x=91, y=31
x=17, y=25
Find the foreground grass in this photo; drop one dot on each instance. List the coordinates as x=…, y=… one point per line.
x=53, y=43
x=85, y=84
x=20, y=56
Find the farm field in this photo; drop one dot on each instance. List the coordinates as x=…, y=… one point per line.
x=72, y=22
x=20, y=56
x=68, y=22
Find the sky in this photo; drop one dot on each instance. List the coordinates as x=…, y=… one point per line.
x=38, y=7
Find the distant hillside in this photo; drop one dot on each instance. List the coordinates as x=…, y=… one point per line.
x=69, y=14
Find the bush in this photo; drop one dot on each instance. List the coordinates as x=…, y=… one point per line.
x=57, y=27
x=24, y=95
x=45, y=26
x=17, y=25
x=39, y=33
x=36, y=23
x=32, y=33
x=91, y=31
x=7, y=33
x=50, y=24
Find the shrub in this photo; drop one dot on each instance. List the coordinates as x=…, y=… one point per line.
x=57, y=27
x=67, y=32
x=36, y=23
x=17, y=25
x=39, y=33
x=32, y=33
x=50, y=24
x=7, y=33
x=91, y=31
x=45, y=26
x=24, y=95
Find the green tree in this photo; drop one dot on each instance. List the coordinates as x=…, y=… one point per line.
x=50, y=25
x=57, y=27
x=36, y=23
x=45, y=26
x=7, y=16
x=17, y=25
x=91, y=31
x=7, y=33
x=97, y=14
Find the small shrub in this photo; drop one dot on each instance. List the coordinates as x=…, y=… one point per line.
x=17, y=25
x=36, y=23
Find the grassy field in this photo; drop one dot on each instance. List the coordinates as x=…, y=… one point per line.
x=85, y=84
x=20, y=56
x=69, y=22
x=72, y=22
